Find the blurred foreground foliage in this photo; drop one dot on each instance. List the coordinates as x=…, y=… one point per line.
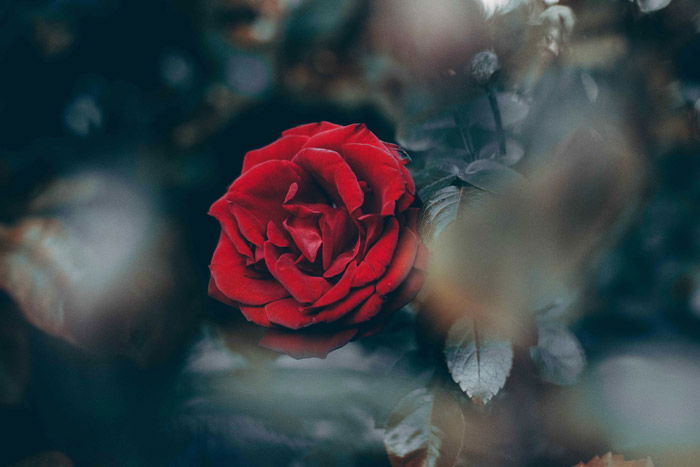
x=555, y=150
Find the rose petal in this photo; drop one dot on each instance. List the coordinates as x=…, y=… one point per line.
x=283, y=149
x=287, y=313
x=276, y=236
x=335, y=138
x=379, y=255
x=407, y=198
x=402, y=263
x=367, y=310
x=339, y=234
x=342, y=260
x=236, y=281
x=257, y=257
x=310, y=129
x=411, y=219
x=217, y=294
x=305, y=234
x=333, y=174
x=222, y=212
x=256, y=196
x=407, y=291
x=343, y=307
x=303, y=287
x=306, y=344
x=306, y=209
x=339, y=290
x=373, y=225
x=422, y=257
x=255, y=314
x=382, y=173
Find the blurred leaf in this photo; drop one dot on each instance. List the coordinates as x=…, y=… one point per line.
x=558, y=23
x=37, y=265
x=513, y=110
x=425, y=134
x=95, y=267
x=425, y=429
x=480, y=363
x=615, y=460
x=649, y=6
x=430, y=180
x=514, y=152
x=412, y=371
x=230, y=403
x=524, y=248
x=491, y=176
x=558, y=354
x=442, y=209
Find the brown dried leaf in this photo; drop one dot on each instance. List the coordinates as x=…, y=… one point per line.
x=101, y=271
x=37, y=266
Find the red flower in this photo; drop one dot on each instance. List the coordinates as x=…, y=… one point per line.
x=318, y=229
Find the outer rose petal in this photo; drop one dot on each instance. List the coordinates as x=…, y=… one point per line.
x=306, y=344
x=234, y=280
x=287, y=313
x=217, y=294
x=422, y=257
x=407, y=291
x=402, y=263
x=339, y=309
x=334, y=139
x=369, y=309
x=310, y=129
x=381, y=171
x=408, y=197
x=282, y=149
x=222, y=212
x=333, y=174
x=255, y=314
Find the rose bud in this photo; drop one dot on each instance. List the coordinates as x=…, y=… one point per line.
x=318, y=229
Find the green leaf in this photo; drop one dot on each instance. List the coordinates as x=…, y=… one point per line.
x=432, y=179
x=442, y=208
x=491, y=176
x=514, y=152
x=480, y=363
x=422, y=135
x=425, y=429
x=558, y=354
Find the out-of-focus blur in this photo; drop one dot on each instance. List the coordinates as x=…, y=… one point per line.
x=555, y=148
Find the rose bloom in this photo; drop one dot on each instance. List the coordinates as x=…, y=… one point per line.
x=318, y=229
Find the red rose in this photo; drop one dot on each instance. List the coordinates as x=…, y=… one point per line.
x=318, y=229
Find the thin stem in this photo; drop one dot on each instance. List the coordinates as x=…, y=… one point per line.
x=500, y=134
